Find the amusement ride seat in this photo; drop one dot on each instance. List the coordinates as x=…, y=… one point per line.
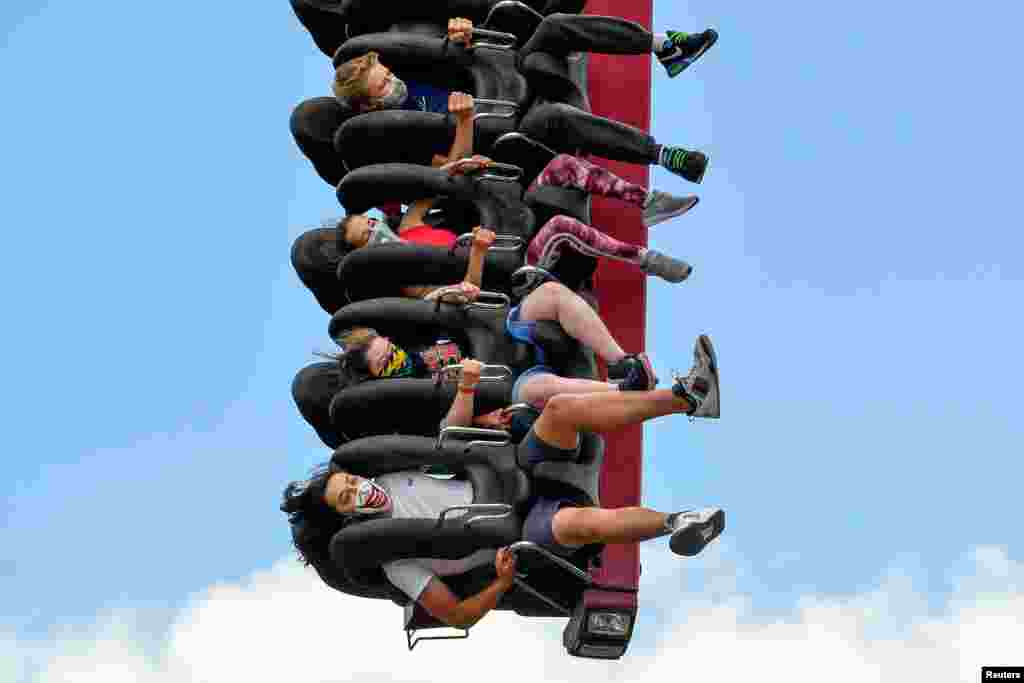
x=479, y=329
x=546, y=585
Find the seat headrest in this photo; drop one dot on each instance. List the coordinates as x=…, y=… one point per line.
x=313, y=389
x=314, y=124
x=316, y=258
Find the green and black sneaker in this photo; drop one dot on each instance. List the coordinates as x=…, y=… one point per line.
x=683, y=49
x=683, y=162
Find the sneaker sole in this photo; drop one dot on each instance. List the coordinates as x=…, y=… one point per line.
x=700, y=179
x=673, y=214
x=706, y=347
x=696, y=537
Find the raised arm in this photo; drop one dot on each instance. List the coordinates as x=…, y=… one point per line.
x=460, y=414
x=460, y=105
x=482, y=241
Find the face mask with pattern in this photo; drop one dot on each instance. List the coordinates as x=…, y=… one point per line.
x=399, y=365
x=371, y=499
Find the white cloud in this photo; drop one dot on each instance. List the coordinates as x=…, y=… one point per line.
x=282, y=624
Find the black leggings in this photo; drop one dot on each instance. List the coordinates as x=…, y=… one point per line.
x=568, y=129
x=560, y=34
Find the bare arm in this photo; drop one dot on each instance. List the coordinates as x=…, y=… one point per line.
x=460, y=414
x=482, y=241
x=442, y=604
x=416, y=213
x=460, y=105
x=468, y=291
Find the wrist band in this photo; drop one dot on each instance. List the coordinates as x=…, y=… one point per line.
x=467, y=390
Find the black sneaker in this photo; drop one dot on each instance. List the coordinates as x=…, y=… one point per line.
x=700, y=386
x=686, y=163
x=634, y=373
x=683, y=49
x=694, y=529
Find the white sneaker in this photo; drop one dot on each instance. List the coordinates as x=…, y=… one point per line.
x=694, y=529
x=700, y=386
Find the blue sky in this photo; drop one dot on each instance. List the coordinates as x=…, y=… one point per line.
x=856, y=263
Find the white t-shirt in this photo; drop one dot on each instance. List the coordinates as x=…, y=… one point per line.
x=417, y=495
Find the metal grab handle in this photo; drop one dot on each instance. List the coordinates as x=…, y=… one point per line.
x=520, y=408
x=512, y=3
x=528, y=140
x=520, y=578
x=507, y=173
x=507, y=40
x=494, y=373
x=525, y=271
x=505, y=302
x=495, y=103
x=477, y=512
x=506, y=439
x=501, y=242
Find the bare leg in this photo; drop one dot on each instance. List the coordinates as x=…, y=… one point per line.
x=566, y=415
x=538, y=389
x=585, y=525
x=555, y=301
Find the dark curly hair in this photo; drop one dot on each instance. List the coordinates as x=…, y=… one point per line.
x=313, y=521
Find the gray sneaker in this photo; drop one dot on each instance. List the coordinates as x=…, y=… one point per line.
x=661, y=206
x=663, y=266
x=694, y=529
x=700, y=386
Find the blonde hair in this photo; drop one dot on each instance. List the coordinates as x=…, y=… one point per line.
x=356, y=337
x=350, y=80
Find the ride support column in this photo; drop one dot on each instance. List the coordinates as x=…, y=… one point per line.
x=620, y=89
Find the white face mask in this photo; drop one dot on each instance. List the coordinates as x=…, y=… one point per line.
x=371, y=499
x=396, y=98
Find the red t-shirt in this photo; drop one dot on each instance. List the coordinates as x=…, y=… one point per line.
x=428, y=234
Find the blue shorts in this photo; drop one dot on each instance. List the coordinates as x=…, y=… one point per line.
x=517, y=388
x=537, y=527
x=522, y=330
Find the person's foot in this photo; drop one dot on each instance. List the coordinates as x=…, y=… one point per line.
x=683, y=49
x=700, y=386
x=694, y=529
x=686, y=163
x=663, y=266
x=661, y=206
x=634, y=372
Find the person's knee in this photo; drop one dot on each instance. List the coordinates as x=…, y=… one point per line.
x=536, y=391
x=560, y=410
x=575, y=526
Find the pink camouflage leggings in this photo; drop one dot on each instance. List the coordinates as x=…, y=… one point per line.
x=569, y=171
